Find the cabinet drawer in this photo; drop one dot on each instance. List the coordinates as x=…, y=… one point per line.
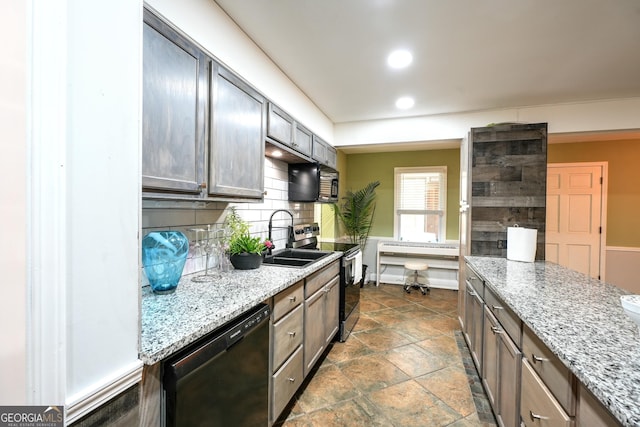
x=285, y=383
x=320, y=278
x=555, y=375
x=475, y=282
x=287, y=336
x=538, y=407
x=287, y=300
x=509, y=321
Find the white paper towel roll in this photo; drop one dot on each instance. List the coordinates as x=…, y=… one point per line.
x=521, y=243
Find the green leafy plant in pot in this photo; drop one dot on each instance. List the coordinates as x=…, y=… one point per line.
x=245, y=251
x=356, y=215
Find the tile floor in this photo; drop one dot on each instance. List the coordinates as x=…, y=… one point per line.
x=403, y=365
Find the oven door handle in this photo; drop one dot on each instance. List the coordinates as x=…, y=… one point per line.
x=352, y=256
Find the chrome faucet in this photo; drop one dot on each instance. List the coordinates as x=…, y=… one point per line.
x=271, y=224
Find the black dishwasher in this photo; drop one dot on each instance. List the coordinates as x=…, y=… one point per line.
x=222, y=380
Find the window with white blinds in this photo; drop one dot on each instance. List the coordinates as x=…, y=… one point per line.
x=420, y=204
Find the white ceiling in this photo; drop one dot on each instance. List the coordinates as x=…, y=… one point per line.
x=469, y=55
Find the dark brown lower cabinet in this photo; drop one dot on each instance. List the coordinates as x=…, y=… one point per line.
x=501, y=371
x=473, y=329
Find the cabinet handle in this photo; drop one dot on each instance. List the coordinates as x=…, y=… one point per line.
x=496, y=330
x=292, y=299
x=497, y=307
x=538, y=358
x=536, y=416
x=291, y=379
x=292, y=334
x=203, y=185
x=471, y=293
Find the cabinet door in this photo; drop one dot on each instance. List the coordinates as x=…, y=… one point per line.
x=591, y=413
x=332, y=157
x=509, y=362
x=475, y=324
x=478, y=322
x=319, y=150
x=314, y=329
x=324, y=153
x=279, y=125
x=468, y=310
x=302, y=140
x=474, y=321
x=175, y=87
x=490, y=358
x=236, y=150
x=332, y=309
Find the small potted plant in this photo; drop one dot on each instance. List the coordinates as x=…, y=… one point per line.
x=245, y=251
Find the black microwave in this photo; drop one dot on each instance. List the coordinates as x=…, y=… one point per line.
x=312, y=182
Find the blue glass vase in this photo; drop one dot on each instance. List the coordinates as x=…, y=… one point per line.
x=163, y=256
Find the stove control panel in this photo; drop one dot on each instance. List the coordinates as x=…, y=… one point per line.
x=305, y=231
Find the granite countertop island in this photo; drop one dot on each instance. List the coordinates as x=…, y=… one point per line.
x=581, y=320
x=172, y=321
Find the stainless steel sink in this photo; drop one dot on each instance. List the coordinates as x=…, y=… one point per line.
x=295, y=257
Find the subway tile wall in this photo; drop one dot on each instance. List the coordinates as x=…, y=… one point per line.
x=184, y=217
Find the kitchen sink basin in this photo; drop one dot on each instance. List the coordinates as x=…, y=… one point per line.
x=295, y=257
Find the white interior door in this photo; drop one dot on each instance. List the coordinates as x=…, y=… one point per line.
x=575, y=216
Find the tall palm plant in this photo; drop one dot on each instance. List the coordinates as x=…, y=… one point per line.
x=356, y=213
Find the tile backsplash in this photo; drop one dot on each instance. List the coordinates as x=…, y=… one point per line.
x=181, y=216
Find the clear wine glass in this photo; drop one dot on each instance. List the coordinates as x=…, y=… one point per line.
x=222, y=237
x=209, y=248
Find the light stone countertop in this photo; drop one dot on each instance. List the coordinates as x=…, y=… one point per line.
x=172, y=321
x=581, y=320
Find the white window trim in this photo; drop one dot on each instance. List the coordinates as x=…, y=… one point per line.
x=422, y=169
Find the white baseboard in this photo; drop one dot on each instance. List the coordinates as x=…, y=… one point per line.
x=82, y=403
x=397, y=279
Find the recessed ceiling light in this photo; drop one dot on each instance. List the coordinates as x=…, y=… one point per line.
x=399, y=58
x=405, y=102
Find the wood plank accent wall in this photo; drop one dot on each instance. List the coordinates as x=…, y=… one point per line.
x=508, y=185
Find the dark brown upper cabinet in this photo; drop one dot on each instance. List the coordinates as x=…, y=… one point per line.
x=324, y=153
x=174, y=116
x=236, y=150
x=283, y=128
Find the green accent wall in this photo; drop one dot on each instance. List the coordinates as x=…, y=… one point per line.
x=623, y=192
x=365, y=168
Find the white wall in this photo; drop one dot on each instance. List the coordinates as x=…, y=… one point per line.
x=623, y=268
x=13, y=262
x=83, y=200
x=207, y=24
x=577, y=117
x=103, y=192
